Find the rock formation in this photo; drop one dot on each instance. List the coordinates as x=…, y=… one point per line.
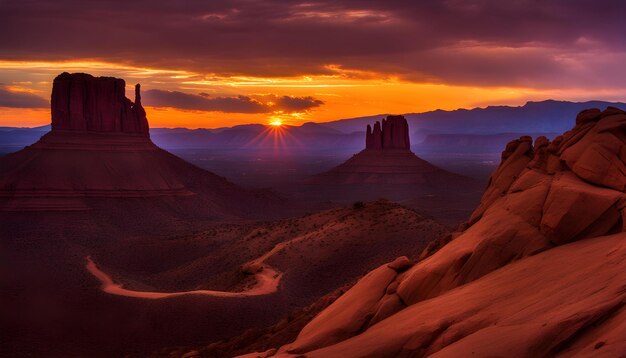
x=394, y=134
x=387, y=159
x=538, y=270
x=82, y=102
x=99, y=146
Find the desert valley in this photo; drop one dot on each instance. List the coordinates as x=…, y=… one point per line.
x=286, y=179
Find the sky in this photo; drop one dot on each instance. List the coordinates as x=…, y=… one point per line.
x=222, y=63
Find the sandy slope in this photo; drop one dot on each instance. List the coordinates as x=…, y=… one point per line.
x=528, y=308
x=250, y=259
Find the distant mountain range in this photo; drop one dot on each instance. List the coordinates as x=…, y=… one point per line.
x=474, y=130
x=545, y=117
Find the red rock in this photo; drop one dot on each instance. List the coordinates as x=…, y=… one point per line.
x=610, y=110
x=503, y=287
x=81, y=102
x=391, y=289
x=346, y=315
x=377, y=137
x=541, y=154
x=394, y=134
x=515, y=159
x=389, y=305
x=573, y=210
x=400, y=264
x=588, y=115
x=99, y=147
x=553, y=147
x=387, y=159
x=598, y=155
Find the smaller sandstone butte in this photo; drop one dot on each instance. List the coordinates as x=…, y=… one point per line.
x=394, y=134
x=387, y=159
x=82, y=102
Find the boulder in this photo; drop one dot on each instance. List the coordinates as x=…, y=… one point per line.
x=400, y=264
x=610, y=110
x=588, y=115
x=347, y=315
x=599, y=155
x=574, y=210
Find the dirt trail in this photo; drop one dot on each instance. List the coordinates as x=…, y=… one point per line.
x=267, y=282
x=267, y=279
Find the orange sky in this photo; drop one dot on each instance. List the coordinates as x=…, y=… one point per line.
x=344, y=93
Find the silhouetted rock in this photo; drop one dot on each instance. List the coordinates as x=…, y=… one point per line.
x=99, y=147
x=393, y=135
x=387, y=159
x=588, y=115
x=377, y=137
x=82, y=102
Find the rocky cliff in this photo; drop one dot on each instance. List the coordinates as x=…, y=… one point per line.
x=538, y=270
x=82, y=102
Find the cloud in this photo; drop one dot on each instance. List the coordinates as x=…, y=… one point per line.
x=238, y=104
x=175, y=99
x=16, y=99
x=415, y=40
x=296, y=104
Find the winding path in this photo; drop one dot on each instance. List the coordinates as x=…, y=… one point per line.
x=267, y=279
x=267, y=282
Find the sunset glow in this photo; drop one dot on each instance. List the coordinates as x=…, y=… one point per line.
x=367, y=65
x=344, y=94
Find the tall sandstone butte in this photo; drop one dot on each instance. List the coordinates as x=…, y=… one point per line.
x=99, y=147
x=82, y=102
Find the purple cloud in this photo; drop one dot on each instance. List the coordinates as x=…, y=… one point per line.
x=238, y=104
x=21, y=99
x=541, y=43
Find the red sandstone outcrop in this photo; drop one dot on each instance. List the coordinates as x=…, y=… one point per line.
x=394, y=134
x=82, y=102
x=99, y=146
x=538, y=270
x=387, y=159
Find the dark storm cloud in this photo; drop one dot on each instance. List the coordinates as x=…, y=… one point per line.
x=238, y=104
x=295, y=104
x=21, y=99
x=528, y=42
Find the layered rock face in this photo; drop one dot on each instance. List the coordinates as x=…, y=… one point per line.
x=387, y=159
x=82, y=102
x=393, y=134
x=538, y=270
x=99, y=147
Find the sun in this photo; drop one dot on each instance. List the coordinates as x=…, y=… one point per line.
x=276, y=123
